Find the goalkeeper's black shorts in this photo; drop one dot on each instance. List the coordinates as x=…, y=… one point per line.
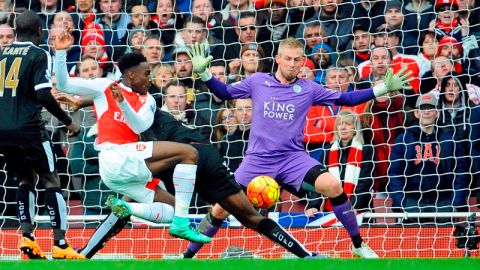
x=214, y=180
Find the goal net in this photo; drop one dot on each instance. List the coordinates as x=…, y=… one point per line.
x=413, y=179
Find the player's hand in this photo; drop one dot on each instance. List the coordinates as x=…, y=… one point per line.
x=73, y=129
x=71, y=101
x=199, y=61
x=398, y=81
x=64, y=41
x=116, y=92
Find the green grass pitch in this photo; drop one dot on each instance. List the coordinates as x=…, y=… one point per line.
x=248, y=264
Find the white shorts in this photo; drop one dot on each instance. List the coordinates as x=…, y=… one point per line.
x=123, y=170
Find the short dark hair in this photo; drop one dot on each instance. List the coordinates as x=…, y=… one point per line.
x=130, y=60
x=174, y=82
x=193, y=19
x=28, y=24
x=247, y=14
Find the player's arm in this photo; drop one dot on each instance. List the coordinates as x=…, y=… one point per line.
x=137, y=121
x=75, y=103
x=77, y=86
x=43, y=86
x=218, y=88
x=391, y=83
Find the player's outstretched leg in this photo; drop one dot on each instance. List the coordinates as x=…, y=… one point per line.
x=239, y=206
x=326, y=184
x=209, y=226
x=26, y=211
x=185, y=157
x=109, y=227
x=156, y=212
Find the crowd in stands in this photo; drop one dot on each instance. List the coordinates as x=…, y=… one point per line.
x=419, y=147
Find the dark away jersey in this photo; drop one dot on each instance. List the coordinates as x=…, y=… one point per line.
x=24, y=69
x=167, y=128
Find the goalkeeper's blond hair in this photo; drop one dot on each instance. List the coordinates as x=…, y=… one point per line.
x=289, y=43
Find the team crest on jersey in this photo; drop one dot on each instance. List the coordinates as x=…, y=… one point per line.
x=141, y=147
x=297, y=88
x=142, y=99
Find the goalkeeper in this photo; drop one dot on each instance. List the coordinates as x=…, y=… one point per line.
x=280, y=105
x=214, y=184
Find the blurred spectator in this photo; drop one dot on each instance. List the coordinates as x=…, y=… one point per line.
x=441, y=66
x=212, y=19
x=391, y=39
x=161, y=74
x=458, y=114
x=418, y=15
x=362, y=40
x=61, y=21
x=85, y=173
x=251, y=61
x=468, y=10
x=202, y=101
x=219, y=71
x=277, y=21
x=382, y=59
x=5, y=9
x=46, y=10
x=350, y=161
x=299, y=11
x=232, y=11
x=112, y=18
x=338, y=26
x=447, y=21
x=370, y=14
x=465, y=56
x=136, y=37
x=94, y=46
x=7, y=35
x=153, y=50
x=395, y=21
x=307, y=71
x=428, y=51
x=425, y=175
x=225, y=125
x=234, y=145
x=246, y=32
x=168, y=20
x=322, y=56
x=175, y=103
x=313, y=35
x=384, y=121
x=194, y=30
x=139, y=17
x=319, y=129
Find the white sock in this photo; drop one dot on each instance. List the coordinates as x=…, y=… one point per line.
x=155, y=212
x=184, y=181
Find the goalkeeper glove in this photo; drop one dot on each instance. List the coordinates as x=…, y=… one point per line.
x=393, y=82
x=199, y=61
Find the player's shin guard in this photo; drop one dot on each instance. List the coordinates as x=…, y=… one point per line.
x=209, y=226
x=276, y=233
x=184, y=181
x=110, y=227
x=342, y=207
x=26, y=209
x=57, y=210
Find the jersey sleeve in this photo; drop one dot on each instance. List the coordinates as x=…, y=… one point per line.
x=77, y=86
x=42, y=66
x=243, y=88
x=323, y=96
x=141, y=120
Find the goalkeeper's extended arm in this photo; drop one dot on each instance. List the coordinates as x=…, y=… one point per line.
x=200, y=64
x=392, y=83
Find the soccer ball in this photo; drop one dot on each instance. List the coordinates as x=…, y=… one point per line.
x=263, y=191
